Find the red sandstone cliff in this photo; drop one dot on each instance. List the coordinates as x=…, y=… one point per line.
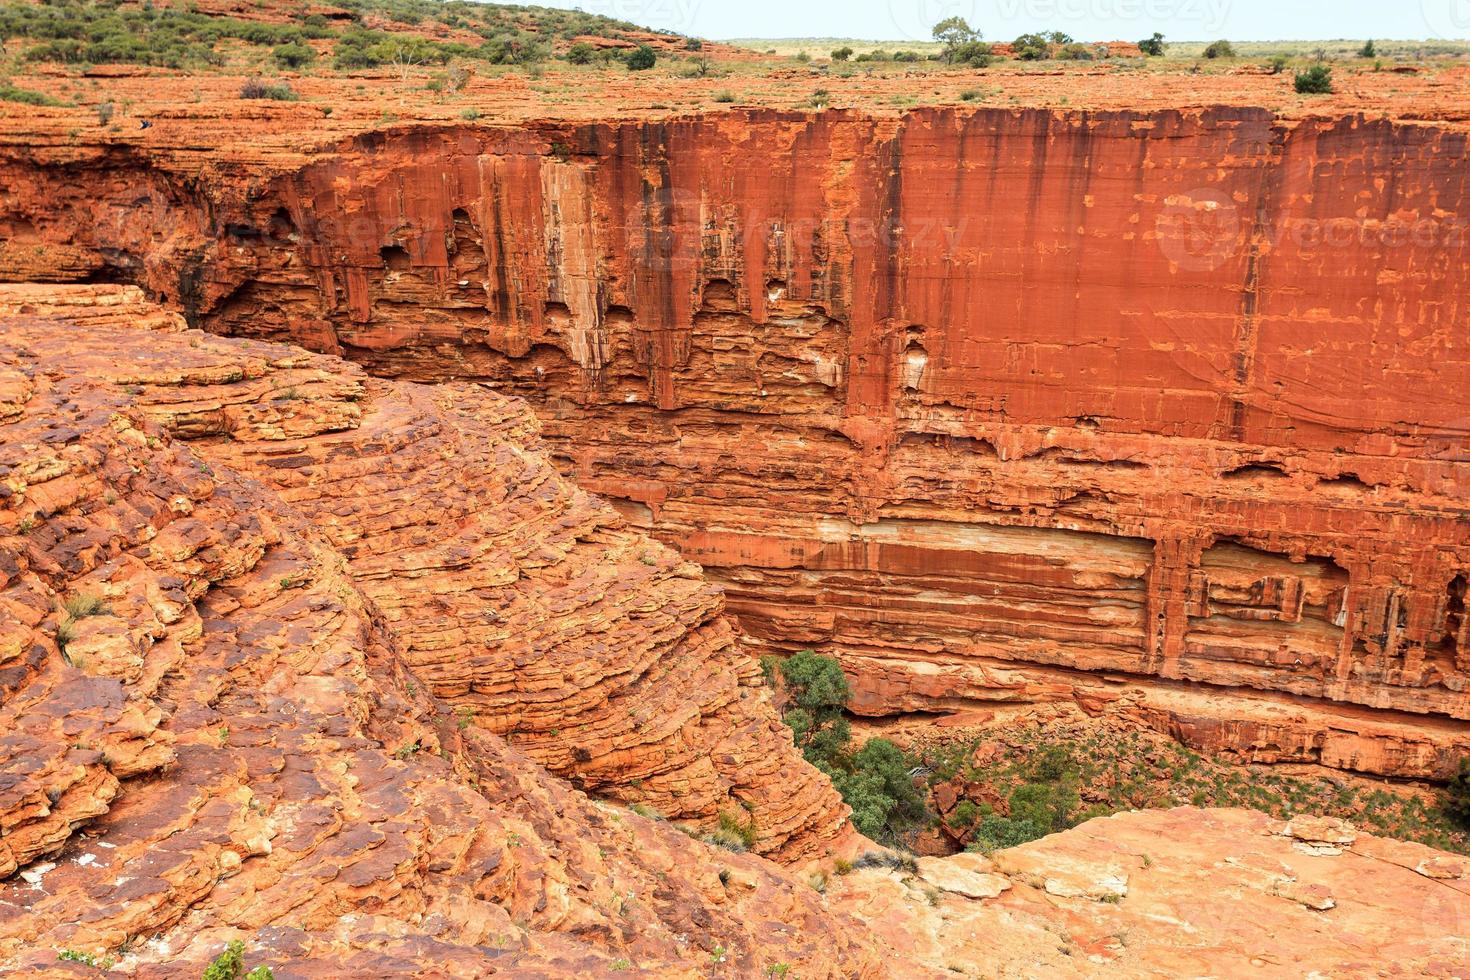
x=1163, y=410
x=213, y=729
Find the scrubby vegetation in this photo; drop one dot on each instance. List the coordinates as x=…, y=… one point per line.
x=1457, y=796
x=874, y=779
x=1023, y=783
x=1316, y=80
x=1220, y=49
x=175, y=35
x=230, y=965
x=9, y=93
x=277, y=91
x=1040, y=45
x=641, y=58
x=1152, y=47
x=96, y=32
x=963, y=45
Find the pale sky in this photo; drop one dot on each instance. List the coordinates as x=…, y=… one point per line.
x=1002, y=20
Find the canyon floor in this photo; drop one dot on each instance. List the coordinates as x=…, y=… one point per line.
x=403, y=478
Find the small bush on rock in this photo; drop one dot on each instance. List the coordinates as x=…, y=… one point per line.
x=257, y=89
x=1316, y=80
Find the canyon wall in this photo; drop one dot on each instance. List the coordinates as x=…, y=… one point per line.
x=213, y=731
x=1163, y=412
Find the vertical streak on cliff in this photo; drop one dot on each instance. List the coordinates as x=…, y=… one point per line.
x=655, y=266
x=572, y=268
x=1244, y=355
x=870, y=396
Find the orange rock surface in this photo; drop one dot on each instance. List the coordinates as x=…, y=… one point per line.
x=218, y=722
x=1166, y=406
x=526, y=605
x=1178, y=893
x=211, y=729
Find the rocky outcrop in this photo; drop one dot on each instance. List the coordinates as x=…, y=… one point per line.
x=992, y=404
x=1185, y=892
x=525, y=604
x=211, y=731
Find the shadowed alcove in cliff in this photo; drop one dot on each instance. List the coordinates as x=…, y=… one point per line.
x=1253, y=612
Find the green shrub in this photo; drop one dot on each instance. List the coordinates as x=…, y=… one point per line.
x=1038, y=46
x=1220, y=49
x=257, y=89
x=1031, y=47
x=1277, y=64
x=581, y=53
x=996, y=833
x=744, y=831
x=726, y=97
x=1316, y=80
x=9, y=93
x=841, y=54
x=907, y=56
x=1152, y=47
x=976, y=54
x=293, y=55
x=965, y=814
x=1457, y=799
x=641, y=58
x=817, y=686
x=1368, y=50
x=230, y=965
x=874, y=780
x=1076, y=52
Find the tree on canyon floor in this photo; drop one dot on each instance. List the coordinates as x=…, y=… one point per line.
x=873, y=779
x=1015, y=783
x=1457, y=801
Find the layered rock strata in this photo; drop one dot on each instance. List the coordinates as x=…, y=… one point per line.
x=212, y=731
x=525, y=604
x=1164, y=406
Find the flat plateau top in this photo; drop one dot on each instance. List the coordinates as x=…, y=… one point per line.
x=204, y=113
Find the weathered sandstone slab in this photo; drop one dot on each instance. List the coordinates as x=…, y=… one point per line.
x=1219, y=893
x=211, y=732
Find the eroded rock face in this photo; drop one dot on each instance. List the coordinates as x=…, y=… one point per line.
x=1186, y=892
x=518, y=599
x=209, y=730
x=994, y=405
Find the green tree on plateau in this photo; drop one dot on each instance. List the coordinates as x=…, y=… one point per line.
x=953, y=33
x=641, y=58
